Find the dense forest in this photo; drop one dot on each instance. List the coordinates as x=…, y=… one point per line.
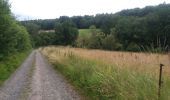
x=130, y=30
x=13, y=36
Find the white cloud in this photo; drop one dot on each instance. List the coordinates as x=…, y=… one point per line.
x=54, y=8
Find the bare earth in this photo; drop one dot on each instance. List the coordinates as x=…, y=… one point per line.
x=37, y=80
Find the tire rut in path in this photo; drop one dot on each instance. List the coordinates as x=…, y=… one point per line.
x=49, y=85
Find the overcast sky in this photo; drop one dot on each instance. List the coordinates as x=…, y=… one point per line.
x=47, y=9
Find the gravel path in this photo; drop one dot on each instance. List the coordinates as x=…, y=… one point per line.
x=14, y=88
x=37, y=80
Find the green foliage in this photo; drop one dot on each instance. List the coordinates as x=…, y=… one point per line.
x=95, y=39
x=90, y=38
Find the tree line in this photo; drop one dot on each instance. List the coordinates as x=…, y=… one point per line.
x=130, y=30
x=13, y=36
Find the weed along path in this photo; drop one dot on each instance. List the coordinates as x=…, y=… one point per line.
x=36, y=80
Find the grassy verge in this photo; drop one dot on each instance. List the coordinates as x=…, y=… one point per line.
x=10, y=64
x=103, y=81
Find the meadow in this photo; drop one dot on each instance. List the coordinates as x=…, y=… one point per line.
x=105, y=75
x=85, y=32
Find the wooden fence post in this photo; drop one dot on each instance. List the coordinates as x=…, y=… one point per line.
x=160, y=81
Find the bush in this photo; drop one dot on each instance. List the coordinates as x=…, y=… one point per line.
x=95, y=41
x=133, y=47
x=110, y=43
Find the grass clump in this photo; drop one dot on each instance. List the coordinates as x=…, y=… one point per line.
x=103, y=81
x=9, y=64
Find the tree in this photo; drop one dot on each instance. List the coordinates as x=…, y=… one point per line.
x=66, y=33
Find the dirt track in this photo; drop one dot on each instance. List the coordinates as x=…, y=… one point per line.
x=36, y=80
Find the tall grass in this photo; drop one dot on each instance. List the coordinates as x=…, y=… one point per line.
x=9, y=64
x=141, y=62
x=105, y=81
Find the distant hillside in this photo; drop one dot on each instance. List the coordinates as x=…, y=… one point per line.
x=138, y=29
x=83, y=22
x=144, y=11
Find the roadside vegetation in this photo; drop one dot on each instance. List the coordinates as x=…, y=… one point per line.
x=15, y=43
x=107, y=75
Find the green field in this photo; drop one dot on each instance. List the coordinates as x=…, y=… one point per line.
x=85, y=32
